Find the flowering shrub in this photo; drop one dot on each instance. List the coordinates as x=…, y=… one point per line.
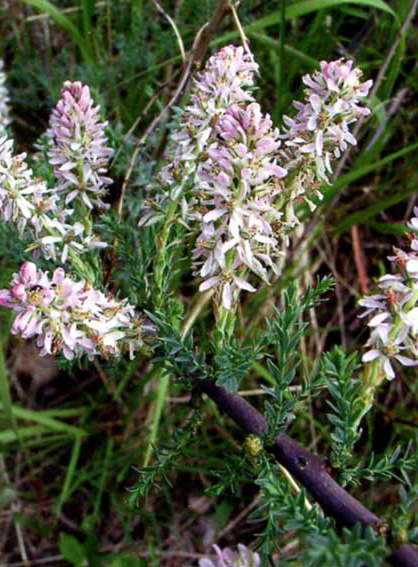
x=320, y=131
x=223, y=169
x=76, y=141
x=221, y=213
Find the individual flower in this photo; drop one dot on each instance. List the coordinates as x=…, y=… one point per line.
x=243, y=557
x=226, y=80
x=237, y=186
x=394, y=313
x=64, y=238
x=4, y=102
x=320, y=131
x=71, y=317
x=79, y=149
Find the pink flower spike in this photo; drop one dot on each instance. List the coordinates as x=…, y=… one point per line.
x=78, y=150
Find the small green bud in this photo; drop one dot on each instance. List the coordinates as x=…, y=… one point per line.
x=253, y=445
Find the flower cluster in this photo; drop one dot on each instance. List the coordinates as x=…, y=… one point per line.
x=58, y=224
x=320, y=131
x=23, y=198
x=79, y=151
x=228, y=166
x=238, y=184
x=394, y=310
x=227, y=79
x=4, y=102
x=225, y=148
x=36, y=210
x=244, y=557
x=71, y=317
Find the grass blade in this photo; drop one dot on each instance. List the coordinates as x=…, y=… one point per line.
x=301, y=9
x=307, y=6
x=5, y=398
x=360, y=172
x=42, y=418
x=162, y=395
x=71, y=470
x=61, y=20
x=8, y=436
x=370, y=212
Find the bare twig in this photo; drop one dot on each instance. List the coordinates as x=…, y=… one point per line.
x=393, y=106
x=359, y=260
x=244, y=39
x=235, y=521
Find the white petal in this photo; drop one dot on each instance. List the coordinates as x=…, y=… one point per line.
x=211, y=282
x=412, y=266
x=406, y=361
x=227, y=296
x=371, y=355
x=378, y=319
x=388, y=369
x=214, y=215
x=242, y=284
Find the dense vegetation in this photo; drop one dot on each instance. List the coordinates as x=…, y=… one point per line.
x=125, y=462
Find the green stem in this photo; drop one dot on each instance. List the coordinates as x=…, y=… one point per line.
x=412, y=302
x=372, y=378
x=162, y=375
x=202, y=301
x=162, y=395
x=71, y=471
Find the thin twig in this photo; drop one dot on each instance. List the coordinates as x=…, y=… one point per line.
x=140, y=116
x=16, y=506
x=394, y=104
x=235, y=521
x=359, y=260
x=244, y=39
x=203, y=300
x=175, y=29
x=70, y=10
x=294, y=485
x=139, y=553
